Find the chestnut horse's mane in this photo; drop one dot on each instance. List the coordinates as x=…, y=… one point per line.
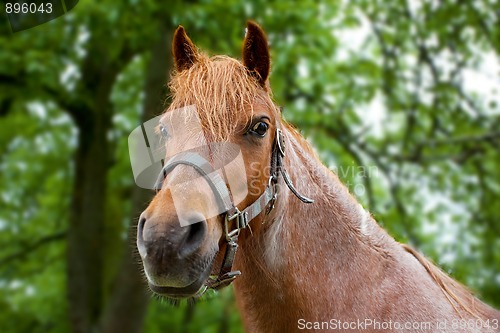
x=219, y=85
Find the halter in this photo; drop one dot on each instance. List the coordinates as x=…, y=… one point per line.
x=234, y=219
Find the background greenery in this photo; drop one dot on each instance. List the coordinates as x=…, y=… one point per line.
x=406, y=89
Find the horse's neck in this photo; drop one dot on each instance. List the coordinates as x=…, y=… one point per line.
x=331, y=226
x=330, y=260
x=307, y=250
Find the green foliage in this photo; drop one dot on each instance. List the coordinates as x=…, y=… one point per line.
x=402, y=101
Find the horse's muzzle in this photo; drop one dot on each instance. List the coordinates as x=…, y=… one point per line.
x=170, y=253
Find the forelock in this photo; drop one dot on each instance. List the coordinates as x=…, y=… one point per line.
x=222, y=91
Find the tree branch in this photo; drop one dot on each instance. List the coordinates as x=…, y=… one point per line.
x=33, y=247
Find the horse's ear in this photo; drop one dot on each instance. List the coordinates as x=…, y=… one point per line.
x=184, y=52
x=256, y=52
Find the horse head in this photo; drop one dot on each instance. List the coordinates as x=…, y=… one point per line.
x=181, y=238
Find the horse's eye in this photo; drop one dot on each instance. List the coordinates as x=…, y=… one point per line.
x=260, y=128
x=163, y=131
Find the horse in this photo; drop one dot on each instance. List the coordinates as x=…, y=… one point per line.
x=301, y=252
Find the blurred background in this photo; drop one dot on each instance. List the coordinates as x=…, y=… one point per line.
x=400, y=98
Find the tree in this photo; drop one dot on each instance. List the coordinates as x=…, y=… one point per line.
x=393, y=95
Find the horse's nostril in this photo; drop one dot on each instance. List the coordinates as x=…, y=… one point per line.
x=140, y=228
x=194, y=238
x=140, y=236
x=158, y=239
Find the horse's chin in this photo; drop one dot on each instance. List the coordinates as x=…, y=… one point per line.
x=188, y=291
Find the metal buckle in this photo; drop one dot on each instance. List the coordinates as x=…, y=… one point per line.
x=280, y=141
x=229, y=276
x=241, y=223
x=225, y=280
x=273, y=180
x=271, y=203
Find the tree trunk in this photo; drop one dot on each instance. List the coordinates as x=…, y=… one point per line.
x=128, y=302
x=85, y=233
x=87, y=216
